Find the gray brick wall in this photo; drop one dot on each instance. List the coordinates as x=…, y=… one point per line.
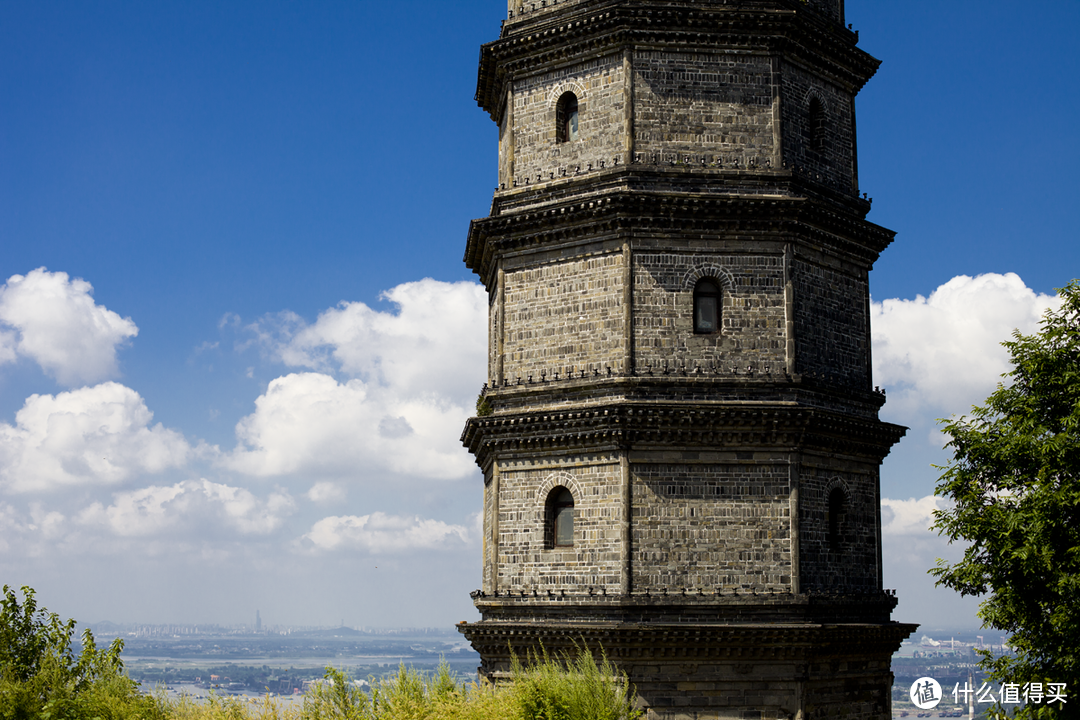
x=853, y=566
x=711, y=525
x=562, y=314
x=699, y=521
x=599, y=86
x=520, y=10
x=488, y=545
x=720, y=104
x=863, y=700
x=833, y=162
x=727, y=688
x=593, y=561
x=831, y=324
x=696, y=524
x=752, y=318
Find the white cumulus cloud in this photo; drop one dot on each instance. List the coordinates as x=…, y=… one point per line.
x=93, y=435
x=311, y=423
x=49, y=523
x=54, y=321
x=942, y=354
x=910, y=549
x=379, y=532
x=157, y=509
x=8, y=342
x=909, y=517
x=435, y=342
x=389, y=391
x=325, y=492
x=17, y=530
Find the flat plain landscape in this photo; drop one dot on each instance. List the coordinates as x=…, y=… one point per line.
x=198, y=659
x=283, y=662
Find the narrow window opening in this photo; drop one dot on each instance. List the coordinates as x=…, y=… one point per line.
x=816, y=125
x=836, y=519
x=566, y=118
x=559, y=519
x=706, y=307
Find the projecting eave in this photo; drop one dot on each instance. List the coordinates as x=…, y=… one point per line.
x=625, y=212
x=780, y=28
x=662, y=425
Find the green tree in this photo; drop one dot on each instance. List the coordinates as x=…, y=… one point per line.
x=1014, y=486
x=41, y=677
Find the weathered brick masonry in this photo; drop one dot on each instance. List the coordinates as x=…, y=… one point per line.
x=682, y=451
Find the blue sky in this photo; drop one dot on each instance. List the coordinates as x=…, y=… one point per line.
x=260, y=190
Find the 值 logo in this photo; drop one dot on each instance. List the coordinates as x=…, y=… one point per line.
x=925, y=693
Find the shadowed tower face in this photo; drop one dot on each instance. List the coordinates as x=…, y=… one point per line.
x=681, y=459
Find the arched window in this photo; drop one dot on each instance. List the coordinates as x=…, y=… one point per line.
x=816, y=125
x=559, y=519
x=837, y=502
x=706, y=307
x=566, y=118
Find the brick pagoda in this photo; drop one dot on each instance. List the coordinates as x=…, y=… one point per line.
x=679, y=434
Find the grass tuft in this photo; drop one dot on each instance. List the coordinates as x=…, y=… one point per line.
x=574, y=689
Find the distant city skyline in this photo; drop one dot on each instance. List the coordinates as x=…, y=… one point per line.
x=238, y=344
x=167, y=629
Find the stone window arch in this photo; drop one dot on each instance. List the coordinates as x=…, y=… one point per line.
x=707, y=285
x=723, y=277
x=566, y=118
x=555, y=506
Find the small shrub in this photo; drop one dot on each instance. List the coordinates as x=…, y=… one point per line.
x=582, y=690
x=40, y=677
x=336, y=699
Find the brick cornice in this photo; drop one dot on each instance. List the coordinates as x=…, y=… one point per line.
x=678, y=425
x=729, y=384
x=730, y=604
x=497, y=641
x=618, y=208
x=596, y=29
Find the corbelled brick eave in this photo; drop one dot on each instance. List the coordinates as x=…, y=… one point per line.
x=715, y=605
x=685, y=425
x=776, y=28
x=630, y=641
x=714, y=383
x=623, y=212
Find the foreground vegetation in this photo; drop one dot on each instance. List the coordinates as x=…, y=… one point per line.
x=41, y=678
x=546, y=690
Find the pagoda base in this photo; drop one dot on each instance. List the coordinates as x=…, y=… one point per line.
x=719, y=671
